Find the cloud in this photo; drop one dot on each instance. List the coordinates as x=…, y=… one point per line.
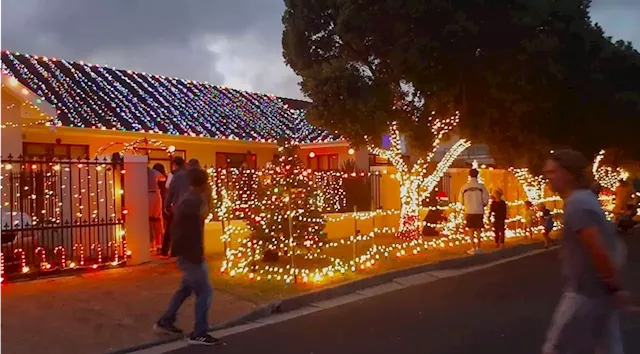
x=236, y=43
x=233, y=43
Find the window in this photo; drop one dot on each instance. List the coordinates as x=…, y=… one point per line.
x=235, y=160
x=59, y=151
x=323, y=162
x=375, y=160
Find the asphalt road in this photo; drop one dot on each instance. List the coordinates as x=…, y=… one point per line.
x=502, y=309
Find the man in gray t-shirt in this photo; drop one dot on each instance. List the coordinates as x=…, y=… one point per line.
x=582, y=210
x=586, y=318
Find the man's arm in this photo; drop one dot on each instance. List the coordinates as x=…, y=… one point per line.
x=171, y=194
x=591, y=238
x=583, y=221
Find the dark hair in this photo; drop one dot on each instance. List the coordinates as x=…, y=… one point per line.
x=576, y=165
x=197, y=178
x=596, y=188
x=194, y=163
x=160, y=168
x=473, y=173
x=178, y=161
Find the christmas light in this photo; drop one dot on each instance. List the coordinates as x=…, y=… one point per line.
x=61, y=253
x=534, y=186
x=606, y=176
x=245, y=259
x=415, y=185
x=93, y=96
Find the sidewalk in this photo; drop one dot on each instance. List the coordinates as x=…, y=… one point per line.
x=115, y=309
x=99, y=311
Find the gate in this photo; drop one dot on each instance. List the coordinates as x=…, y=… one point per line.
x=61, y=214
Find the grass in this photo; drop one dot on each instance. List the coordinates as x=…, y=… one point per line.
x=263, y=291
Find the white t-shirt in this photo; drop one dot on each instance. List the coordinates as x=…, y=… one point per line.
x=169, y=178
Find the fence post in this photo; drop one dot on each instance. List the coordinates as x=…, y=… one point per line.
x=373, y=227
x=137, y=206
x=355, y=232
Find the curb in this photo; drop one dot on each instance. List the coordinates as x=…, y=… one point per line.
x=299, y=301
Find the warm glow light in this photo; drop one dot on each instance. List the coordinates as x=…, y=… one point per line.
x=351, y=151
x=312, y=154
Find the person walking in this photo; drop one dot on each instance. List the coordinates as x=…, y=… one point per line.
x=498, y=211
x=175, y=189
x=474, y=197
x=624, y=194
x=586, y=318
x=187, y=229
x=547, y=225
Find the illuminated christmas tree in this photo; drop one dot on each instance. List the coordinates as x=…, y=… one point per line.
x=286, y=214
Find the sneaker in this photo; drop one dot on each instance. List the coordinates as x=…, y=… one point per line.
x=167, y=328
x=204, y=340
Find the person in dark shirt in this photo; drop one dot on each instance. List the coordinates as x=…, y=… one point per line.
x=187, y=230
x=499, y=213
x=547, y=223
x=173, y=193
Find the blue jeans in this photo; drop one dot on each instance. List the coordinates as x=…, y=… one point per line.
x=195, y=278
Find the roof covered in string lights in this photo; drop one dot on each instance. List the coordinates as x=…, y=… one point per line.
x=92, y=96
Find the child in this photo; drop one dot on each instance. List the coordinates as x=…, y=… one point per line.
x=499, y=213
x=187, y=230
x=626, y=221
x=529, y=219
x=547, y=223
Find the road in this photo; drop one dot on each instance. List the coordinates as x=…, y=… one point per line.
x=501, y=309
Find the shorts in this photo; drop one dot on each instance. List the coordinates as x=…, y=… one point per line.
x=474, y=221
x=583, y=325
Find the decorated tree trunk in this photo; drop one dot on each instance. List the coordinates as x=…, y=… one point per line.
x=410, y=226
x=415, y=183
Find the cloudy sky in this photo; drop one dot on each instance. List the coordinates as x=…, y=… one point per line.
x=235, y=43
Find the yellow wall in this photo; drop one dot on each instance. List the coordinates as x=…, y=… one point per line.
x=203, y=149
x=11, y=113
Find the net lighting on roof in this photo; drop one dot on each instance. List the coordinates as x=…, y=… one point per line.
x=98, y=97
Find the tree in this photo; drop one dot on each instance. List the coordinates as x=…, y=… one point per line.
x=415, y=184
x=286, y=214
x=363, y=80
x=526, y=75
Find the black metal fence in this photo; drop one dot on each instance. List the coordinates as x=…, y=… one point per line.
x=235, y=189
x=61, y=214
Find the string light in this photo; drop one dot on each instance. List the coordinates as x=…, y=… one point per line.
x=606, y=176
x=44, y=120
x=534, y=186
x=132, y=146
x=61, y=252
x=87, y=95
x=415, y=185
x=1, y=267
x=245, y=259
x=86, y=193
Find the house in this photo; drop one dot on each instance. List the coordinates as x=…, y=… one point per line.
x=101, y=110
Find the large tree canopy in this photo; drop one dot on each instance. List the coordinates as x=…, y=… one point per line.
x=526, y=75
